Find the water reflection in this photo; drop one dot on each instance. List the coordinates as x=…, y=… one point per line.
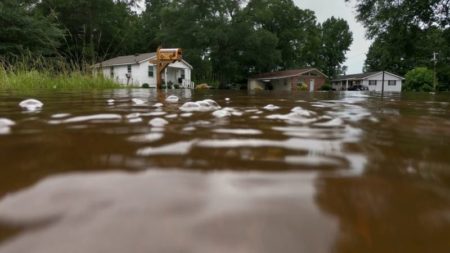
x=161, y=211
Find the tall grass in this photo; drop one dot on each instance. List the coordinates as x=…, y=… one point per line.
x=50, y=73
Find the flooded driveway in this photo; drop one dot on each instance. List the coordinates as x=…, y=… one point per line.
x=224, y=171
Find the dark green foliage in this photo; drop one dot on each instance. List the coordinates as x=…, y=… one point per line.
x=406, y=34
x=419, y=79
x=224, y=40
x=23, y=30
x=336, y=39
x=326, y=87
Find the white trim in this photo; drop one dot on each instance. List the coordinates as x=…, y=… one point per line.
x=381, y=72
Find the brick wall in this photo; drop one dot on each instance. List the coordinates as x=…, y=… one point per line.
x=319, y=81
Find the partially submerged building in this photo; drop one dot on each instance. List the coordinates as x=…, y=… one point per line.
x=310, y=79
x=136, y=70
x=372, y=81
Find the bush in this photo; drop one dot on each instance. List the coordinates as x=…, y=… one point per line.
x=302, y=87
x=326, y=87
x=145, y=85
x=419, y=79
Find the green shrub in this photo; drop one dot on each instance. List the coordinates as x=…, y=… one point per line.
x=326, y=87
x=419, y=79
x=302, y=87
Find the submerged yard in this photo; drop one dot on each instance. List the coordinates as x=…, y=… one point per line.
x=124, y=170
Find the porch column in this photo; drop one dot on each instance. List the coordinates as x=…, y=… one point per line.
x=346, y=84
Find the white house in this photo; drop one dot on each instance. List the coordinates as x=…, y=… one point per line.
x=372, y=81
x=136, y=70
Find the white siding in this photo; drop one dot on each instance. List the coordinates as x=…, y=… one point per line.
x=139, y=73
x=379, y=77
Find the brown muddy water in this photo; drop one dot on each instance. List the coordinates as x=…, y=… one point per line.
x=136, y=171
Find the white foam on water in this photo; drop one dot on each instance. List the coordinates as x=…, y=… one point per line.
x=312, y=160
x=292, y=117
x=133, y=115
x=200, y=106
x=158, y=122
x=238, y=131
x=95, y=117
x=303, y=112
x=31, y=105
x=151, y=137
x=110, y=101
x=172, y=99
x=221, y=113
x=154, y=114
x=178, y=148
x=188, y=129
x=135, y=120
x=186, y=115
x=158, y=105
x=4, y=122
x=271, y=107
x=138, y=101
x=227, y=99
x=337, y=122
x=5, y=126
x=172, y=116
x=60, y=115
x=4, y=130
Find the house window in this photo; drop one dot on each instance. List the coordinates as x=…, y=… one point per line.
x=129, y=69
x=150, y=71
x=392, y=83
x=111, y=72
x=372, y=82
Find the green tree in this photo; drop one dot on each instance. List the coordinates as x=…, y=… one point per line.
x=419, y=79
x=95, y=29
x=296, y=29
x=23, y=30
x=407, y=34
x=336, y=39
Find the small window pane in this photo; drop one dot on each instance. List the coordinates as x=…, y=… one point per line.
x=150, y=71
x=372, y=82
x=129, y=68
x=392, y=82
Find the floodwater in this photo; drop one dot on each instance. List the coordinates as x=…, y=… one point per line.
x=224, y=171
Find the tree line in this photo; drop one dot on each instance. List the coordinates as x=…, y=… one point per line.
x=407, y=35
x=225, y=40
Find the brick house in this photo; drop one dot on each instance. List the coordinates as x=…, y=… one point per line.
x=288, y=80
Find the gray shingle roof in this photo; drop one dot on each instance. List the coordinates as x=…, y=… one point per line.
x=285, y=73
x=126, y=60
x=355, y=76
x=362, y=76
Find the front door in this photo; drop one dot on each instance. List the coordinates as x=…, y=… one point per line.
x=311, y=85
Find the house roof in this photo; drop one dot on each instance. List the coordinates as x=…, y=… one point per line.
x=130, y=60
x=285, y=74
x=362, y=76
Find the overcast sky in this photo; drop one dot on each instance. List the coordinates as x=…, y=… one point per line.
x=339, y=8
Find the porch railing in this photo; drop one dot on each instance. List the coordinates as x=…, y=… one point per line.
x=187, y=84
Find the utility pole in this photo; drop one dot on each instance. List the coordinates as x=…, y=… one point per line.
x=382, y=84
x=434, y=69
